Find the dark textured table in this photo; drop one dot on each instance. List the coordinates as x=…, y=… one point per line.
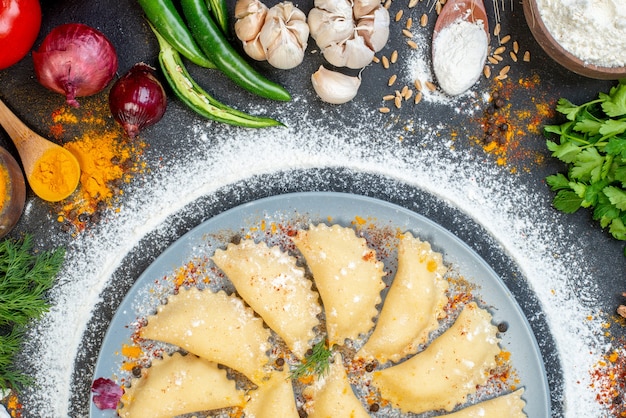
x=452, y=129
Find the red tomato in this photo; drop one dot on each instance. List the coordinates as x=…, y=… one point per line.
x=20, y=21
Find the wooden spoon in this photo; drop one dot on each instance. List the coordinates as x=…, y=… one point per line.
x=458, y=9
x=61, y=173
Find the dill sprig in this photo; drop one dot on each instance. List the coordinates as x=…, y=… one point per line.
x=25, y=278
x=315, y=363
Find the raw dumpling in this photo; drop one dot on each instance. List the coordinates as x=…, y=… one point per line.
x=448, y=370
x=413, y=304
x=273, y=398
x=269, y=280
x=215, y=326
x=510, y=406
x=179, y=385
x=332, y=395
x=348, y=277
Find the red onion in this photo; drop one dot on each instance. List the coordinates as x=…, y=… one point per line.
x=137, y=100
x=107, y=393
x=76, y=60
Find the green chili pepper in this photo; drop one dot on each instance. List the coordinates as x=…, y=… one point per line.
x=190, y=93
x=217, y=48
x=220, y=13
x=164, y=16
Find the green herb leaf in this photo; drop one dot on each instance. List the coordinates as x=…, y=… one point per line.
x=612, y=127
x=618, y=229
x=316, y=363
x=605, y=211
x=588, y=165
x=614, y=104
x=557, y=182
x=616, y=196
x=616, y=146
x=569, y=109
x=25, y=278
x=566, y=152
x=567, y=201
x=589, y=126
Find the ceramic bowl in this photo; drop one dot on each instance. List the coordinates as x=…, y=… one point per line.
x=559, y=54
x=14, y=199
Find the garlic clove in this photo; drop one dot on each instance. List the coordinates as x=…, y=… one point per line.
x=362, y=8
x=328, y=28
x=374, y=28
x=301, y=31
x=250, y=17
x=248, y=7
x=284, y=52
x=342, y=8
x=254, y=49
x=334, y=87
x=353, y=53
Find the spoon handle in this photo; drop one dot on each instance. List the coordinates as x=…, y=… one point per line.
x=17, y=130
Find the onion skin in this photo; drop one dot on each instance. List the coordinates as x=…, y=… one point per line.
x=137, y=99
x=75, y=60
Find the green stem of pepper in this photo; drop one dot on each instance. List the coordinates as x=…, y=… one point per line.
x=162, y=14
x=217, y=48
x=190, y=93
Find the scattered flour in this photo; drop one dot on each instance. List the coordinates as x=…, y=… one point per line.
x=592, y=30
x=531, y=236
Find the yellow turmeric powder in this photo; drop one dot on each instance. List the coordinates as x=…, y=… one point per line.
x=55, y=175
x=107, y=161
x=96, y=154
x=5, y=187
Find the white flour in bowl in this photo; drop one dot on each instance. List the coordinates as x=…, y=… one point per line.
x=592, y=30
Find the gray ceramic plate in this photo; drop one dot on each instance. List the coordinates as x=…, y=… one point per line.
x=300, y=209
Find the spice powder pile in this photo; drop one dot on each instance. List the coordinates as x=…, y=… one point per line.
x=107, y=158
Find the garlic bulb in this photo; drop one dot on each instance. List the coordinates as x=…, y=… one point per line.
x=278, y=35
x=334, y=87
x=349, y=32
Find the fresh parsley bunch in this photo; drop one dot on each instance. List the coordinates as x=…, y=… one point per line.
x=593, y=144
